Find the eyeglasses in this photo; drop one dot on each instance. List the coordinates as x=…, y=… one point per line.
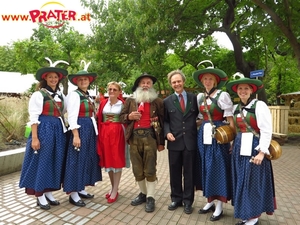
x=112, y=89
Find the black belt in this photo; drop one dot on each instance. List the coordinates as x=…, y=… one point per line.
x=144, y=132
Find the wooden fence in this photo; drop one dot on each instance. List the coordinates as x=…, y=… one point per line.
x=280, y=116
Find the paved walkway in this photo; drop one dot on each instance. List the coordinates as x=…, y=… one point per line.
x=18, y=208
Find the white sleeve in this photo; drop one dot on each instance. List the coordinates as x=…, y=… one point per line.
x=199, y=96
x=225, y=103
x=73, y=104
x=35, y=108
x=264, y=123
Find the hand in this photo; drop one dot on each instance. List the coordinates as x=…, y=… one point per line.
x=160, y=148
x=35, y=144
x=199, y=122
x=170, y=137
x=134, y=115
x=76, y=142
x=258, y=158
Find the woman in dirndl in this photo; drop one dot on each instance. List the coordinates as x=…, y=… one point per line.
x=252, y=174
x=82, y=162
x=42, y=169
x=112, y=146
x=215, y=106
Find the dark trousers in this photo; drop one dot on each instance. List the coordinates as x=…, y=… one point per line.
x=181, y=166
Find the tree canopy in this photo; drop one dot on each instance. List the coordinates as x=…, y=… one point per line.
x=131, y=37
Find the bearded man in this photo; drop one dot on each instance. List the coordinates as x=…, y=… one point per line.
x=144, y=116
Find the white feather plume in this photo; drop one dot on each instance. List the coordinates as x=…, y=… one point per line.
x=86, y=65
x=237, y=74
x=56, y=62
x=204, y=61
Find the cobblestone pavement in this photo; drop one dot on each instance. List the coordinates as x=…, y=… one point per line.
x=18, y=208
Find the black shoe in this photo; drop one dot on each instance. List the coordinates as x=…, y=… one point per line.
x=85, y=196
x=174, y=205
x=188, y=209
x=46, y=207
x=55, y=202
x=204, y=211
x=150, y=204
x=215, y=218
x=141, y=198
x=80, y=203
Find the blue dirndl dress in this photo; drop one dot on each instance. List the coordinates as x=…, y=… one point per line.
x=253, y=185
x=82, y=167
x=43, y=171
x=216, y=173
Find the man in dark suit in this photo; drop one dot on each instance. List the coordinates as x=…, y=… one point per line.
x=180, y=130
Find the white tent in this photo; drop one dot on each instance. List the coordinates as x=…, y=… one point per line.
x=13, y=82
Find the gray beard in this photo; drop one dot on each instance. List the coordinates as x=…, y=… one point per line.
x=145, y=96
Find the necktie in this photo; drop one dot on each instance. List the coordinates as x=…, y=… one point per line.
x=182, y=105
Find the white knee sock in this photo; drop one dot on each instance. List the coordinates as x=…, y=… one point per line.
x=142, y=185
x=49, y=196
x=75, y=196
x=42, y=200
x=151, y=189
x=251, y=222
x=219, y=208
x=83, y=192
x=208, y=205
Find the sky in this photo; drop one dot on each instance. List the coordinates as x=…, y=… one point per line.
x=19, y=30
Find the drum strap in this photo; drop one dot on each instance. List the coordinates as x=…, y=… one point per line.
x=247, y=125
x=210, y=119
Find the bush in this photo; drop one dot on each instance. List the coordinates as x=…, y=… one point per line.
x=13, y=118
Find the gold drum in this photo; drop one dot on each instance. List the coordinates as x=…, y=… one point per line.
x=224, y=134
x=275, y=150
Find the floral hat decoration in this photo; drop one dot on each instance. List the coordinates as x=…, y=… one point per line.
x=73, y=77
x=42, y=72
x=220, y=75
x=239, y=78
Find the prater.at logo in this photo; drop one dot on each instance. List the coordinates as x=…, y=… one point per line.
x=55, y=11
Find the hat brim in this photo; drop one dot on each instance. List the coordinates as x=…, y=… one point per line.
x=220, y=76
x=74, y=77
x=42, y=73
x=255, y=84
x=137, y=81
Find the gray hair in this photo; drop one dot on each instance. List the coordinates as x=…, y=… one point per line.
x=174, y=72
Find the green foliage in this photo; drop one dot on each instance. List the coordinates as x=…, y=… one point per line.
x=131, y=37
x=7, y=59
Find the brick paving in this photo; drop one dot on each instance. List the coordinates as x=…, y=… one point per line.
x=19, y=209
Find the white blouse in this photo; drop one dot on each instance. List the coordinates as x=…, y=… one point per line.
x=224, y=102
x=35, y=106
x=115, y=108
x=73, y=106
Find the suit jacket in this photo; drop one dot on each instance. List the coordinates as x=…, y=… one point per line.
x=181, y=125
x=156, y=110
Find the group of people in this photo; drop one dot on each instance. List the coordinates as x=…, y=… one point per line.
x=238, y=171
